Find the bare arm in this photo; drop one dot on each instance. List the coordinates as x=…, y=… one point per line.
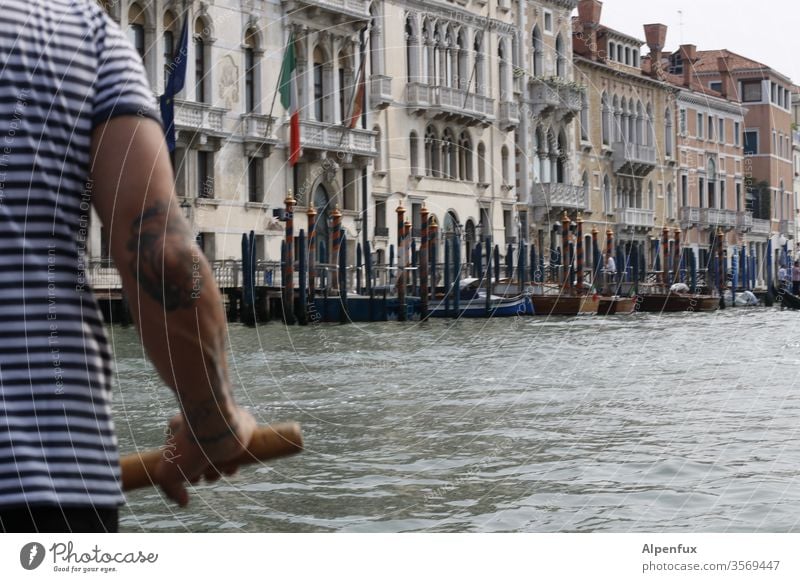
x=172, y=293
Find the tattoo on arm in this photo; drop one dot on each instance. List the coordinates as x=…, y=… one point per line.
x=163, y=262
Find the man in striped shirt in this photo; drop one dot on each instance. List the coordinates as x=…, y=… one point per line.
x=77, y=129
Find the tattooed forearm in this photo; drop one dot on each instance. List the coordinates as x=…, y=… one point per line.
x=163, y=262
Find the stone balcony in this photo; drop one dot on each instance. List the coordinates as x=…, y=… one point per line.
x=450, y=103
x=713, y=218
x=333, y=137
x=380, y=91
x=508, y=115
x=343, y=11
x=553, y=97
x=633, y=158
x=257, y=133
x=198, y=117
x=744, y=221
x=635, y=218
x=761, y=226
x=553, y=196
x=689, y=217
x=786, y=228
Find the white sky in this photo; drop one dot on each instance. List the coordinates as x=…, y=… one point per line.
x=764, y=30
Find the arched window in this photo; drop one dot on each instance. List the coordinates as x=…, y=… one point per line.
x=640, y=124
x=561, y=57
x=668, y=133
x=428, y=67
x=711, y=181
x=537, y=48
x=136, y=23
x=481, y=163
x=504, y=164
x=627, y=55
x=607, y=113
x=449, y=155
x=618, y=111
x=462, y=72
x=251, y=72
x=432, y=153
x=451, y=61
x=412, y=68
x=585, y=116
x=502, y=71
x=465, y=157
x=635, y=58
x=480, y=75
x=413, y=153
x=344, y=76
x=168, y=40
x=651, y=197
x=320, y=85
x=607, y=203
x=202, y=56
x=612, y=51
x=650, y=128
x=561, y=160
x=375, y=41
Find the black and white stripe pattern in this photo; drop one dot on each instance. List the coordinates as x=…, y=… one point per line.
x=65, y=68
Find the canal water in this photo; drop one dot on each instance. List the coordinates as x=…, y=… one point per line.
x=684, y=422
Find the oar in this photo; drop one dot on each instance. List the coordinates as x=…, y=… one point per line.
x=268, y=442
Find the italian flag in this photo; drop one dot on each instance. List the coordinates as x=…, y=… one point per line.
x=288, y=89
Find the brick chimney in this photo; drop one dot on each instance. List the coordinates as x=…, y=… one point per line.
x=728, y=89
x=656, y=36
x=688, y=57
x=589, y=12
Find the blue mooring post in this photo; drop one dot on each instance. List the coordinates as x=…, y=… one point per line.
x=323, y=272
x=359, y=266
x=735, y=277
x=414, y=268
x=433, y=256
x=477, y=261
x=302, y=307
x=496, y=263
x=247, y=302
x=693, y=272
x=456, y=276
x=769, y=298
x=509, y=261
x=369, y=281
x=343, y=315
x=743, y=268
x=391, y=264
x=447, y=276
x=283, y=280
x=635, y=262
x=532, y=266
x=521, y=266
x=488, y=275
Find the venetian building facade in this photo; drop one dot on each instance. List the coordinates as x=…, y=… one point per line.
x=627, y=161
x=550, y=99
x=444, y=114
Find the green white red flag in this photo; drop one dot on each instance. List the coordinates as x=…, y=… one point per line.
x=288, y=91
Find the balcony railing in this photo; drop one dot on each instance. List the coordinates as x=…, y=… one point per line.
x=689, y=216
x=715, y=217
x=636, y=158
x=335, y=137
x=548, y=96
x=636, y=217
x=559, y=196
x=198, y=116
x=353, y=9
x=450, y=102
x=258, y=127
x=508, y=116
x=382, y=231
x=761, y=226
x=787, y=228
x=380, y=91
x=744, y=221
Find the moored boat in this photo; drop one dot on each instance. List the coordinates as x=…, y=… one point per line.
x=616, y=305
x=677, y=302
x=476, y=307
x=559, y=304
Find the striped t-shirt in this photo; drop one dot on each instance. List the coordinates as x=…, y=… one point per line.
x=65, y=67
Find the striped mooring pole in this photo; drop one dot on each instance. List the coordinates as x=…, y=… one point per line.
x=721, y=266
x=288, y=284
x=676, y=261
x=579, y=254
x=312, y=252
x=665, y=256
x=609, y=253
x=565, y=251
x=401, y=262
x=423, y=262
x=337, y=244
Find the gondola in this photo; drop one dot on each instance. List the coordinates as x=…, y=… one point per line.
x=787, y=299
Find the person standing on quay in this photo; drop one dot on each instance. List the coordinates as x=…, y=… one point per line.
x=77, y=129
x=796, y=278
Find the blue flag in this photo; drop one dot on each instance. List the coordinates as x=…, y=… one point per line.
x=175, y=82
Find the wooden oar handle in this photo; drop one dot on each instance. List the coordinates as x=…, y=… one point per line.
x=268, y=442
